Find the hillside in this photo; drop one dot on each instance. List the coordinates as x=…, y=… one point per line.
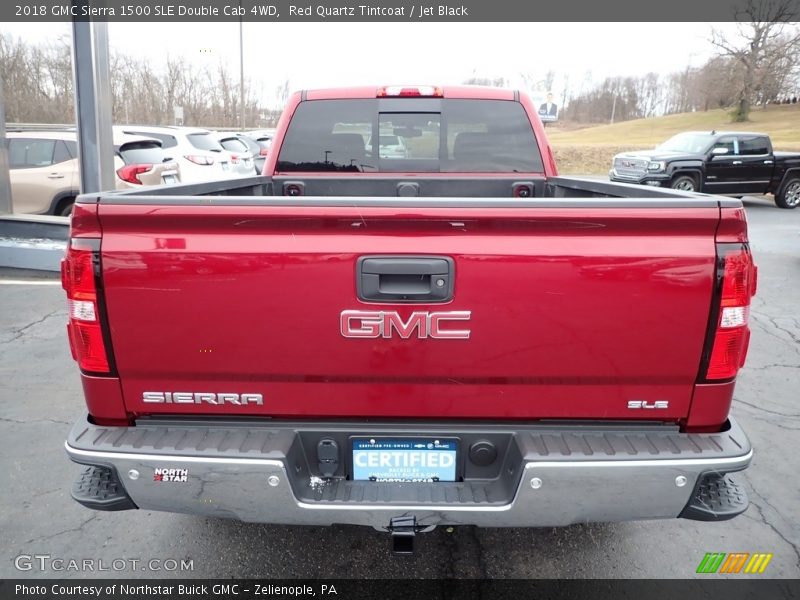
x=589, y=150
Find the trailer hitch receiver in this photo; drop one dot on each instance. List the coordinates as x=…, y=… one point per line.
x=403, y=530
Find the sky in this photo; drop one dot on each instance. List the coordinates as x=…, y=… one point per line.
x=313, y=55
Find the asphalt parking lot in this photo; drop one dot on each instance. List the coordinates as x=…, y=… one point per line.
x=40, y=396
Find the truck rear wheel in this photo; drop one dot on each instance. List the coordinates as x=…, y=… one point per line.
x=684, y=183
x=789, y=194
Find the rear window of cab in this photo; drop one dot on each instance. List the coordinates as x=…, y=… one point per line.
x=439, y=135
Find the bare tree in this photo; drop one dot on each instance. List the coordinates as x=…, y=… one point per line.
x=565, y=92
x=486, y=81
x=549, y=79
x=651, y=95
x=767, y=40
x=282, y=93
x=715, y=84
x=529, y=80
x=39, y=89
x=38, y=81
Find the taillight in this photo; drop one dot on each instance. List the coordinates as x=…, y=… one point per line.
x=235, y=159
x=263, y=152
x=130, y=173
x=730, y=334
x=84, y=329
x=198, y=159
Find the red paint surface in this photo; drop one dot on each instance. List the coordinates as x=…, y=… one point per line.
x=710, y=405
x=572, y=315
x=104, y=399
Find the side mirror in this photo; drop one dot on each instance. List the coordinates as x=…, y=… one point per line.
x=719, y=150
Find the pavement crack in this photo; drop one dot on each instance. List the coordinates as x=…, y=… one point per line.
x=479, y=558
x=766, y=410
x=460, y=545
x=763, y=517
x=450, y=545
x=788, y=332
x=78, y=529
x=793, y=341
x=18, y=333
x=773, y=423
x=21, y=422
x=44, y=493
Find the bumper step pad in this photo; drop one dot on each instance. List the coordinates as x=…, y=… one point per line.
x=716, y=498
x=98, y=488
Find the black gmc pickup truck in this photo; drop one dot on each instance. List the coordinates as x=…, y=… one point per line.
x=730, y=163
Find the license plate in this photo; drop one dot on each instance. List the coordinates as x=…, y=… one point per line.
x=169, y=179
x=404, y=460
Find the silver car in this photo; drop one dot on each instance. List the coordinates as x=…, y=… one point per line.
x=241, y=156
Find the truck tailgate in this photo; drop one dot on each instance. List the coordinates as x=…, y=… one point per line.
x=573, y=311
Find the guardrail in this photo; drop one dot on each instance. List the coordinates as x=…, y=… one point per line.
x=33, y=241
x=40, y=126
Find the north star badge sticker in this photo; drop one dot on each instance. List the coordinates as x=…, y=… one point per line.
x=173, y=475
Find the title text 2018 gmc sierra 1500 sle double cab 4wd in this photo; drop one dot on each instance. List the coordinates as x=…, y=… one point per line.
x=732, y=163
x=456, y=335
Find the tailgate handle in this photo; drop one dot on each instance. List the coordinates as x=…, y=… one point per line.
x=405, y=278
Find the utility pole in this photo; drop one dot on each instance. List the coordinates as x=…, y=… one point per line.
x=241, y=65
x=613, y=108
x=5, y=180
x=93, y=103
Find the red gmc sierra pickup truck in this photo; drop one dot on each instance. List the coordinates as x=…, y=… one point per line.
x=410, y=320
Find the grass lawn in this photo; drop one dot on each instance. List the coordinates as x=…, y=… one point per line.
x=590, y=150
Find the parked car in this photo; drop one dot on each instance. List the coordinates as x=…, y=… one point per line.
x=199, y=154
x=241, y=152
x=45, y=173
x=732, y=163
x=501, y=346
x=142, y=161
x=259, y=150
x=262, y=134
x=263, y=138
x=389, y=146
x=43, y=169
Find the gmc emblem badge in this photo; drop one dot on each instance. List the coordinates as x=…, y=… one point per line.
x=387, y=324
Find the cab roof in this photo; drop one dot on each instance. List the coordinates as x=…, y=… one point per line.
x=721, y=133
x=467, y=92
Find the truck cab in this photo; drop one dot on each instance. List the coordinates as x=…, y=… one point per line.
x=733, y=163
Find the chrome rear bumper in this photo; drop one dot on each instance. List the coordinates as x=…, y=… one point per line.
x=557, y=475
